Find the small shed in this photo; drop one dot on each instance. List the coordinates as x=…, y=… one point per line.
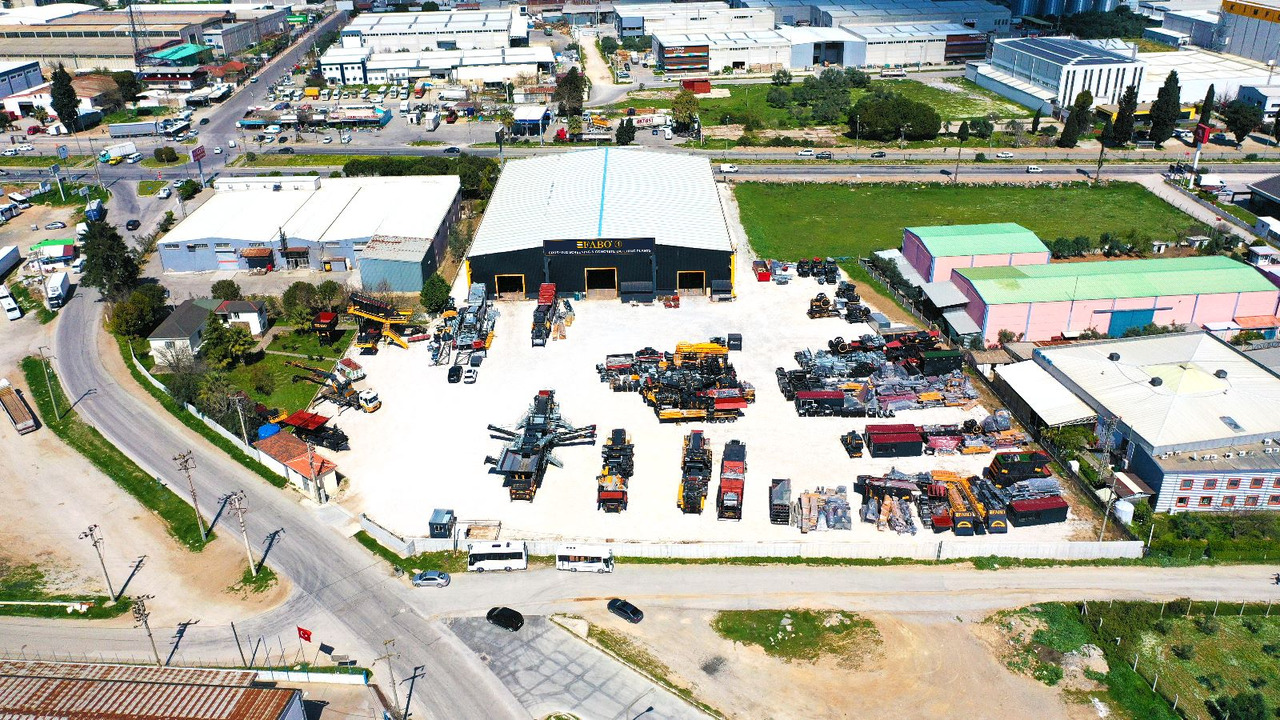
x=306, y=468
x=697, y=86
x=442, y=523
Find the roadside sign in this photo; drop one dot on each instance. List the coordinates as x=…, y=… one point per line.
x=197, y=153
x=45, y=186
x=63, y=153
x=55, y=169
x=297, y=19
x=159, y=175
x=84, y=191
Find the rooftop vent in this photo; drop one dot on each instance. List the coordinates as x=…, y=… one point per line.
x=1156, y=382
x=1220, y=374
x=1114, y=357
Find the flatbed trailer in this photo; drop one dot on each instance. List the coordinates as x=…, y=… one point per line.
x=16, y=408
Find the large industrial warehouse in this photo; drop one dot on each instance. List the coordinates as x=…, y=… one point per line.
x=607, y=222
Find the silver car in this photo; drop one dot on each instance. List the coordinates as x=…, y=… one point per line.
x=431, y=578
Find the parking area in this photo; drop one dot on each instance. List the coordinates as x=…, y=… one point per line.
x=398, y=482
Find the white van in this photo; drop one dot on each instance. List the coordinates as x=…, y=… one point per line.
x=728, y=168
x=11, y=308
x=273, y=130
x=666, y=133
x=1034, y=169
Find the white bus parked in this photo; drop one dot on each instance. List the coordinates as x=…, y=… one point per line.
x=497, y=556
x=584, y=558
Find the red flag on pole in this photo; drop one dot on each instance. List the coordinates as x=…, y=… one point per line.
x=304, y=634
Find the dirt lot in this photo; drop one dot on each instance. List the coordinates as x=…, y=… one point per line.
x=928, y=666
x=53, y=494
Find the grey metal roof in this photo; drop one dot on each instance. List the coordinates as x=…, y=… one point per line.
x=1269, y=187
x=1066, y=51
x=386, y=247
x=944, y=294
x=181, y=323
x=604, y=193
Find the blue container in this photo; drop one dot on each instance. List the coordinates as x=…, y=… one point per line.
x=268, y=430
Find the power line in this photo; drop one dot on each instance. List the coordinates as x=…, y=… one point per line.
x=186, y=463
x=142, y=616
x=92, y=534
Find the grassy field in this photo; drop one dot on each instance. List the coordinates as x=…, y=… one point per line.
x=53, y=197
x=42, y=161
x=150, y=187
x=86, y=440
x=20, y=583
x=132, y=114
x=288, y=395
x=308, y=343
x=299, y=160
x=799, y=634
x=791, y=221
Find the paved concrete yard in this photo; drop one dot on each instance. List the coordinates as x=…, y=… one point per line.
x=550, y=670
x=425, y=448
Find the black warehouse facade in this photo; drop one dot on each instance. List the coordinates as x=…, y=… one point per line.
x=607, y=222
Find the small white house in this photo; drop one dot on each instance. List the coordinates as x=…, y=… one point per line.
x=182, y=332
x=251, y=314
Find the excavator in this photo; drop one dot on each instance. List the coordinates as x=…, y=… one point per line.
x=337, y=389
x=377, y=321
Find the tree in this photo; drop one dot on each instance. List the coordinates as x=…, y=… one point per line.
x=1166, y=109
x=435, y=293
x=140, y=313
x=130, y=86
x=781, y=78
x=1077, y=121
x=62, y=97
x=224, y=346
x=1206, y=107
x=575, y=124
x=40, y=114
x=963, y=133
x=264, y=381
x=6, y=122
x=1241, y=706
x=1035, y=122
x=1241, y=118
x=226, y=290
x=982, y=127
x=188, y=189
x=1122, y=128
x=778, y=97
x=109, y=264
x=626, y=133
x=569, y=92
x=608, y=45
x=684, y=108
x=330, y=295
x=298, y=302
x=857, y=78
x=888, y=116
x=830, y=111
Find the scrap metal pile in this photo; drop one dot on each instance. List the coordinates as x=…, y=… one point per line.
x=523, y=462
x=946, y=500
x=822, y=509
x=845, y=304
x=695, y=383
x=875, y=377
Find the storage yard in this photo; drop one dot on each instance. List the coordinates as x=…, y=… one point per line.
x=399, y=483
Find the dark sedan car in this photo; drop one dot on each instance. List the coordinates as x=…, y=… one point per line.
x=455, y=374
x=132, y=225
x=452, y=150
x=505, y=618
x=625, y=610
x=286, y=151
x=825, y=156
x=879, y=154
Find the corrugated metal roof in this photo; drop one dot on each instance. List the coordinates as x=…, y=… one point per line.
x=1191, y=407
x=605, y=193
x=982, y=239
x=74, y=691
x=960, y=321
x=1065, y=51
x=1110, y=279
x=944, y=294
x=384, y=247
x=1046, y=397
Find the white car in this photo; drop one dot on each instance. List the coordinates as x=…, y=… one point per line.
x=1034, y=169
x=9, y=152
x=470, y=375
x=1004, y=155
x=807, y=152
x=217, y=151
x=231, y=143
x=326, y=140
x=164, y=193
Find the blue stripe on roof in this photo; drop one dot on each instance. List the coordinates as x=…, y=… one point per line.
x=604, y=183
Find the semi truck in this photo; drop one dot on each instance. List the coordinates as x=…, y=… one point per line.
x=733, y=476
x=141, y=128
x=57, y=290
x=16, y=408
x=9, y=259
x=119, y=150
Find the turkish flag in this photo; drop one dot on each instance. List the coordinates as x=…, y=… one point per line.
x=304, y=633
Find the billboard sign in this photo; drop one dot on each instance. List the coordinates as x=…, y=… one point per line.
x=54, y=169
x=296, y=19
x=63, y=153
x=1202, y=133
x=197, y=153
x=598, y=246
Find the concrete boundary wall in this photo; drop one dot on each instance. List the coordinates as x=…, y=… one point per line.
x=946, y=548
x=302, y=676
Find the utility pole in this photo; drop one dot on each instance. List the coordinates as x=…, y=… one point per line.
x=185, y=463
x=390, y=645
x=237, y=507
x=44, y=362
x=1102, y=148
x=92, y=534
x=1107, y=442
x=321, y=496
x=417, y=673
x=239, y=400
x=142, y=617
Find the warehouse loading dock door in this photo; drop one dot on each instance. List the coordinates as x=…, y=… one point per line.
x=509, y=287
x=691, y=282
x=601, y=283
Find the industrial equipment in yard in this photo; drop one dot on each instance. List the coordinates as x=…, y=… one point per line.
x=1009, y=468
x=900, y=440
x=377, y=321
x=853, y=443
x=316, y=428
x=780, y=501
x=887, y=503
x=475, y=321
x=550, y=317
x=695, y=468
x=336, y=388
x=822, y=307
x=16, y=408
x=695, y=383
x=733, y=476
x=822, y=509
x=523, y=462
x=618, y=455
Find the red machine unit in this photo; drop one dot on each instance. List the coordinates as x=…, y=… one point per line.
x=733, y=476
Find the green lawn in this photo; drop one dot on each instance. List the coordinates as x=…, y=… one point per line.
x=42, y=161
x=263, y=159
x=150, y=187
x=799, y=634
x=53, y=197
x=308, y=343
x=288, y=395
x=20, y=583
x=151, y=162
x=132, y=114
x=965, y=100
x=85, y=439
x=794, y=220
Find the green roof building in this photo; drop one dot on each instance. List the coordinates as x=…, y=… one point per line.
x=183, y=54
x=1042, y=302
x=936, y=251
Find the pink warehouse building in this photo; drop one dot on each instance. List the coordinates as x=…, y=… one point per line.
x=936, y=251
x=1043, y=302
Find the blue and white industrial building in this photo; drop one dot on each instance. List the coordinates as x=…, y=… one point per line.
x=319, y=223
x=1046, y=73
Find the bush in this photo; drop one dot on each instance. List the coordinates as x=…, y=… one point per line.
x=1162, y=626
x=435, y=293
x=188, y=189
x=251, y=156
x=1208, y=625
x=226, y=290
x=1252, y=624
x=1184, y=651
x=264, y=381
x=980, y=157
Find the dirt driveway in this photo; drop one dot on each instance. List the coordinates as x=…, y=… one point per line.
x=927, y=666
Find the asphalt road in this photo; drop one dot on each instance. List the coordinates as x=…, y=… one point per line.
x=335, y=579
